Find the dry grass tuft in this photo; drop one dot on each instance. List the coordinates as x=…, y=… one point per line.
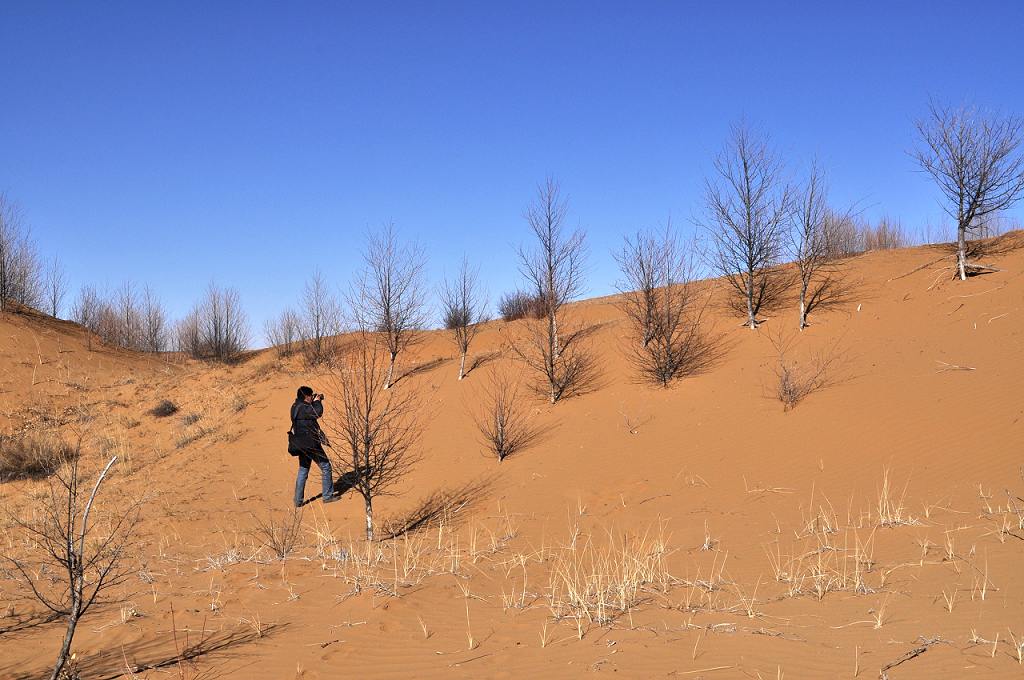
x=596, y=585
x=28, y=456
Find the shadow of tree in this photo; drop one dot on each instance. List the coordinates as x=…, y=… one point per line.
x=832, y=292
x=151, y=654
x=482, y=360
x=444, y=505
x=13, y=623
x=424, y=367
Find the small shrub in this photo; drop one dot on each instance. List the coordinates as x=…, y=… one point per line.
x=191, y=419
x=520, y=305
x=279, y=534
x=795, y=380
x=456, y=317
x=188, y=436
x=32, y=457
x=164, y=409
x=503, y=421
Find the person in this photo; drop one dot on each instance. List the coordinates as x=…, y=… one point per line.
x=306, y=412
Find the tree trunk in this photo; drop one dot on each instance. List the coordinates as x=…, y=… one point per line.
x=391, y=371
x=751, y=318
x=65, y=648
x=803, y=306
x=369, y=518
x=961, y=252
x=462, y=366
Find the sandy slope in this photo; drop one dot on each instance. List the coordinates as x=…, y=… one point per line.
x=803, y=576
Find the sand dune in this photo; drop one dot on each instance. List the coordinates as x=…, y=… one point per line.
x=695, y=531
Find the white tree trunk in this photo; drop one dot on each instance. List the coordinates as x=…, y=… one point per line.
x=803, y=307
x=391, y=371
x=369, y=519
x=961, y=252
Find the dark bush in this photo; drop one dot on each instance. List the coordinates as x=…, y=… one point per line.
x=32, y=457
x=520, y=305
x=163, y=409
x=456, y=318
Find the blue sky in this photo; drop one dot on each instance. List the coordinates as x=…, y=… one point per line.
x=175, y=143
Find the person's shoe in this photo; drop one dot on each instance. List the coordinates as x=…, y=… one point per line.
x=333, y=497
x=299, y=503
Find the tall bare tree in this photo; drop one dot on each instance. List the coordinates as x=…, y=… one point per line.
x=188, y=334
x=664, y=313
x=284, y=332
x=554, y=269
x=224, y=325
x=56, y=286
x=153, y=318
x=463, y=309
x=747, y=206
x=321, y=320
x=976, y=159
x=379, y=429
x=809, y=243
x=8, y=231
x=127, y=305
x=390, y=295
x=20, y=271
x=87, y=560
x=86, y=311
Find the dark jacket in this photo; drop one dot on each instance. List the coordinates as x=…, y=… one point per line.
x=306, y=427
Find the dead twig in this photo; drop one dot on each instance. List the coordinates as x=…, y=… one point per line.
x=883, y=674
x=917, y=269
x=943, y=366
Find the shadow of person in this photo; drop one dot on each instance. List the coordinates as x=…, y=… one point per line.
x=342, y=485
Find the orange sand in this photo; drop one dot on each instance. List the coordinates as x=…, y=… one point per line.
x=799, y=580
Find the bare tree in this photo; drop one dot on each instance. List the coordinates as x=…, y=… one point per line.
x=747, y=207
x=843, y=236
x=665, y=316
x=501, y=416
x=153, y=336
x=20, y=275
x=86, y=311
x=321, y=320
x=8, y=229
x=223, y=324
x=188, y=334
x=284, y=332
x=463, y=309
x=127, y=304
x=389, y=296
x=554, y=271
x=86, y=561
x=378, y=428
x=888, y=234
x=977, y=163
x=56, y=287
x=809, y=242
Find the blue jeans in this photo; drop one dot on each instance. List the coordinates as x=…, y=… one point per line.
x=325, y=476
